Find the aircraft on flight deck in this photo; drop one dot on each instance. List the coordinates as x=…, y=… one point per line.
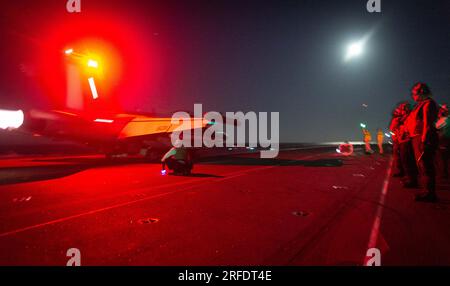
x=110, y=133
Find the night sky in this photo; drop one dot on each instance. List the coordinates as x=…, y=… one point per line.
x=284, y=56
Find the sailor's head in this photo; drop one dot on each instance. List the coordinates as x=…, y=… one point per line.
x=420, y=91
x=402, y=109
x=405, y=108
x=397, y=112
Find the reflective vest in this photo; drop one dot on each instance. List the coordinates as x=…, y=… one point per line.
x=443, y=126
x=380, y=137
x=415, y=121
x=367, y=136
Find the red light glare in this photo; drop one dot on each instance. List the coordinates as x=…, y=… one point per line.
x=127, y=62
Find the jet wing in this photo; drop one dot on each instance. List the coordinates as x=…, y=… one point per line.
x=82, y=127
x=144, y=125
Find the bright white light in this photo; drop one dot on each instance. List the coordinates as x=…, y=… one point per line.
x=11, y=118
x=104, y=120
x=92, y=64
x=93, y=88
x=68, y=51
x=354, y=50
x=387, y=135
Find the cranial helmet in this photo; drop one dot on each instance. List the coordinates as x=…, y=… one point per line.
x=421, y=89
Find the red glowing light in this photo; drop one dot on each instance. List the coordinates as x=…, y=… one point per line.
x=126, y=61
x=345, y=149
